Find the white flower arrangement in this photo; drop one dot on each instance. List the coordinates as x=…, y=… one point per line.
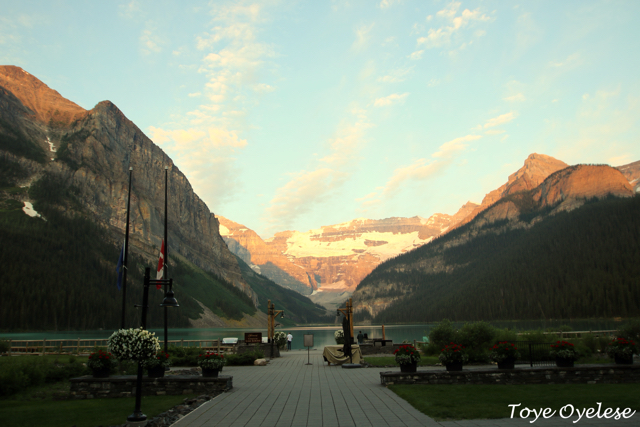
x=280, y=339
x=133, y=344
x=339, y=336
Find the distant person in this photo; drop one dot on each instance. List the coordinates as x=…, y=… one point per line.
x=360, y=337
x=289, y=339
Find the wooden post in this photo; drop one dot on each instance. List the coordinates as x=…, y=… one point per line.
x=219, y=345
x=78, y=348
x=383, y=335
x=10, y=344
x=350, y=310
x=44, y=347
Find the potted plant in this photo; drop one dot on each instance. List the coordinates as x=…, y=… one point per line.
x=101, y=363
x=407, y=356
x=339, y=336
x=565, y=354
x=135, y=344
x=280, y=339
x=211, y=363
x=504, y=354
x=157, y=365
x=453, y=356
x=622, y=350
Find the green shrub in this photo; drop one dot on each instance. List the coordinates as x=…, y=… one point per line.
x=630, y=330
x=537, y=336
x=244, y=359
x=506, y=334
x=4, y=346
x=477, y=338
x=12, y=381
x=184, y=356
x=19, y=373
x=444, y=333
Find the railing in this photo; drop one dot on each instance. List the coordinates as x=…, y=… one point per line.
x=576, y=334
x=87, y=346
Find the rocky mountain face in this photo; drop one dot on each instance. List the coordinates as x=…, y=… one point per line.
x=91, y=152
x=537, y=167
x=563, y=190
x=330, y=261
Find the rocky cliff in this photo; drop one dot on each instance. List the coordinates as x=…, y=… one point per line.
x=91, y=152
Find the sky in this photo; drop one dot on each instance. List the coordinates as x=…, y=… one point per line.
x=292, y=115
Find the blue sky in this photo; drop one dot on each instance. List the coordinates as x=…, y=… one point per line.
x=298, y=114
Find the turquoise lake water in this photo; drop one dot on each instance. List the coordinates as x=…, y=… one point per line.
x=323, y=335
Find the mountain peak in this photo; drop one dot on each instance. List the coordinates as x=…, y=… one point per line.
x=46, y=104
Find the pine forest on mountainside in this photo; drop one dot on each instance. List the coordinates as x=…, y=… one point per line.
x=59, y=274
x=577, y=264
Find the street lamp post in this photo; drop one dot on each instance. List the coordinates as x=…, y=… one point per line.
x=169, y=301
x=348, y=313
x=271, y=322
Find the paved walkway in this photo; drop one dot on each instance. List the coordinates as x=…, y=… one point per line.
x=288, y=392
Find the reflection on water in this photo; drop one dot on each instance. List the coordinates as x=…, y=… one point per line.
x=323, y=335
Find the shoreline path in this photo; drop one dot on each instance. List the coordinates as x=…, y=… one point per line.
x=288, y=392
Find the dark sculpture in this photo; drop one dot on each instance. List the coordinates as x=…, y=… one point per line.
x=346, y=349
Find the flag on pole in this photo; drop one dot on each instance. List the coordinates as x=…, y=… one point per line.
x=160, y=265
x=120, y=267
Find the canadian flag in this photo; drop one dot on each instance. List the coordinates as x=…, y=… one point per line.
x=160, y=265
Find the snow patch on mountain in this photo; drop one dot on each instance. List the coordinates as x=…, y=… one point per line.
x=301, y=245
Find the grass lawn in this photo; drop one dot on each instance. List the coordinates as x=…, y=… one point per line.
x=391, y=361
x=80, y=413
x=466, y=402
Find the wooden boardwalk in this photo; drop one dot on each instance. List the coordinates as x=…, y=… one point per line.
x=288, y=392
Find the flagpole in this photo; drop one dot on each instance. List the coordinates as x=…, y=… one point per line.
x=126, y=253
x=166, y=260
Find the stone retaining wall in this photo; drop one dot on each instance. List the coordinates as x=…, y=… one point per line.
x=586, y=374
x=88, y=387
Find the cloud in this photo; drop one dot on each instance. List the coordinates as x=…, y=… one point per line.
x=504, y=118
x=447, y=34
x=458, y=144
x=194, y=95
x=518, y=97
x=362, y=37
x=388, y=3
x=346, y=143
x=571, y=60
x=416, y=55
x=307, y=189
x=423, y=169
x=494, y=132
x=397, y=75
x=394, y=98
x=150, y=42
x=206, y=156
x=304, y=191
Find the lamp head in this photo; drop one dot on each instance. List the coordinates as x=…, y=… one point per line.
x=169, y=300
x=282, y=315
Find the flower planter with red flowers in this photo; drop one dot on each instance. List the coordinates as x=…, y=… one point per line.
x=622, y=350
x=157, y=365
x=101, y=363
x=453, y=356
x=504, y=354
x=407, y=356
x=211, y=363
x=565, y=354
